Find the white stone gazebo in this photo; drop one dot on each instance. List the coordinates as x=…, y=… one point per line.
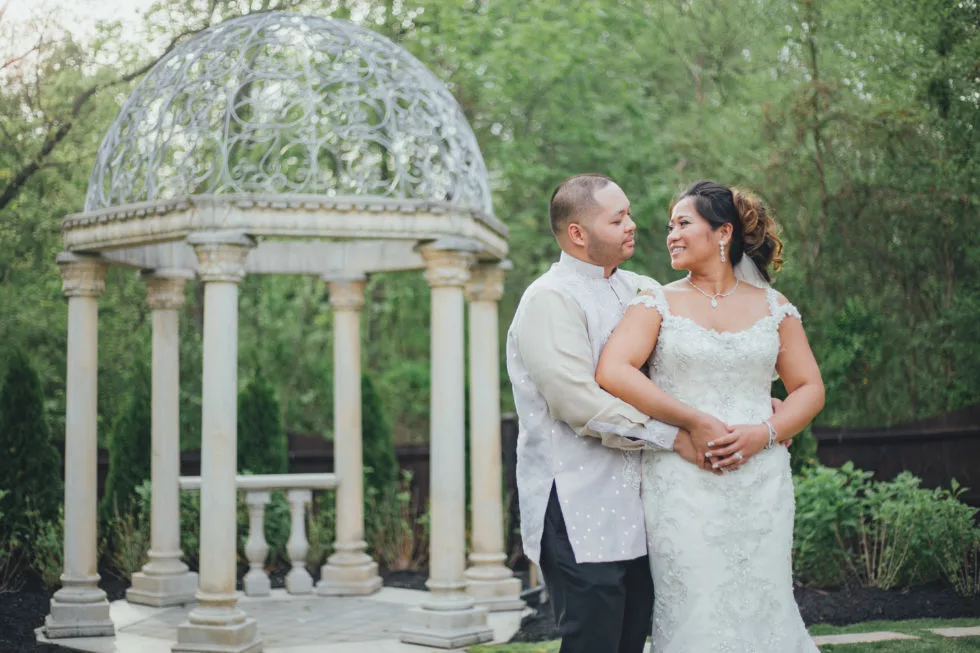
x=284, y=144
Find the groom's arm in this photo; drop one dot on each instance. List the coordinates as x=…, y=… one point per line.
x=553, y=340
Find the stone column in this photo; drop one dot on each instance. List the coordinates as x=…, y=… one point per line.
x=80, y=608
x=217, y=625
x=165, y=580
x=488, y=580
x=448, y=618
x=349, y=570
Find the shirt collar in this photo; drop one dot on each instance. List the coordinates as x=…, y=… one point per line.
x=580, y=268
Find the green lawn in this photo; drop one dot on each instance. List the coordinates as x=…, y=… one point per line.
x=929, y=644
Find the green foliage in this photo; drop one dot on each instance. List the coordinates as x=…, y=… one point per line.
x=321, y=528
x=262, y=444
x=397, y=536
x=954, y=538
x=30, y=467
x=129, y=447
x=128, y=542
x=380, y=463
x=46, y=551
x=881, y=534
x=803, y=451
x=828, y=508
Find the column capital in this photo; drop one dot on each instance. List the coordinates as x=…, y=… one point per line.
x=486, y=282
x=346, y=294
x=220, y=254
x=446, y=267
x=82, y=275
x=165, y=287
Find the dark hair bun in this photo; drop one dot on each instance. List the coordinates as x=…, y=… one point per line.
x=760, y=233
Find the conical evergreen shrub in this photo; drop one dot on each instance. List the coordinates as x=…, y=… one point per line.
x=381, y=465
x=262, y=444
x=130, y=443
x=30, y=466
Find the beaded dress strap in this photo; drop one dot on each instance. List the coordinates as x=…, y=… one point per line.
x=652, y=298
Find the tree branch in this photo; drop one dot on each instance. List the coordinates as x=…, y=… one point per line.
x=59, y=129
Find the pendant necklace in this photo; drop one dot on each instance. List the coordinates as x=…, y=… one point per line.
x=713, y=298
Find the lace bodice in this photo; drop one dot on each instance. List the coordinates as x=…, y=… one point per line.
x=727, y=374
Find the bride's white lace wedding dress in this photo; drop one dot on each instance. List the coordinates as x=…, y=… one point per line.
x=720, y=546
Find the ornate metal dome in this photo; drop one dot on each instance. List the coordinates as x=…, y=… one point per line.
x=281, y=103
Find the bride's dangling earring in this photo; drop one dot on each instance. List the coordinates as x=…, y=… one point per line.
x=721, y=248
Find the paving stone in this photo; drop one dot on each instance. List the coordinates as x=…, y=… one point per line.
x=860, y=638
x=970, y=631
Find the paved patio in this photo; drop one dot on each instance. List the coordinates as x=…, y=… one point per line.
x=287, y=624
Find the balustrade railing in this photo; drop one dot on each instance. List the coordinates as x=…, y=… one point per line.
x=299, y=492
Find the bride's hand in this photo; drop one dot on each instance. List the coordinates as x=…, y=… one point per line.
x=743, y=442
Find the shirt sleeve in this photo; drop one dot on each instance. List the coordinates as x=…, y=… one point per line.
x=553, y=342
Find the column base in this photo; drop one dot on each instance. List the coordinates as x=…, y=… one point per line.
x=256, y=583
x=89, y=619
x=161, y=591
x=494, y=588
x=447, y=628
x=349, y=580
x=299, y=581
x=230, y=638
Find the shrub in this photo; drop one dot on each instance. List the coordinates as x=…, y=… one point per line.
x=380, y=463
x=262, y=444
x=11, y=558
x=880, y=534
x=129, y=534
x=321, y=527
x=828, y=507
x=954, y=539
x=30, y=467
x=390, y=526
x=129, y=447
x=46, y=553
x=803, y=452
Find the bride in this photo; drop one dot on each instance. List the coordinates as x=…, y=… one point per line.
x=720, y=544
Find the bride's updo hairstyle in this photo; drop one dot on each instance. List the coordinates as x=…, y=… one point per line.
x=756, y=233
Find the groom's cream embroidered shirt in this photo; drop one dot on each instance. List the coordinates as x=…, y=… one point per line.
x=572, y=432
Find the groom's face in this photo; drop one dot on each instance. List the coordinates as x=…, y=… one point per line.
x=611, y=231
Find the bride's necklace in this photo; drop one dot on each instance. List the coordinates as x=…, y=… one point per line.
x=713, y=298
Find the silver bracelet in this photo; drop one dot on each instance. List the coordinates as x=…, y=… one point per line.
x=772, y=434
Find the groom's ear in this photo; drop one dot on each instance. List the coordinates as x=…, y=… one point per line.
x=576, y=234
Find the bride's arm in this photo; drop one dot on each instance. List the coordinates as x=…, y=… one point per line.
x=619, y=374
x=800, y=373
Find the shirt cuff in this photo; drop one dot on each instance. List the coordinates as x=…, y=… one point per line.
x=653, y=434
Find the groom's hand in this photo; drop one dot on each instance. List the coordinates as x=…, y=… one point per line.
x=684, y=447
x=707, y=432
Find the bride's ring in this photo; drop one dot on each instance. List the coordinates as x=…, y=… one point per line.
x=738, y=454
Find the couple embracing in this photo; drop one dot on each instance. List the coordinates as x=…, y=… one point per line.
x=649, y=454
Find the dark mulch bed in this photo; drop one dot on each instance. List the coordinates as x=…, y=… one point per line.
x=23, y=611
x=839, y=607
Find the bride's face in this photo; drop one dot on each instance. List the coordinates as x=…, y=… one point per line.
x=690, y=239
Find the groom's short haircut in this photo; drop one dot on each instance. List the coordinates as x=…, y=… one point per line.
x=573, y=198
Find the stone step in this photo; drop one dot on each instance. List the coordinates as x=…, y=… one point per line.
x=970, y=631
x=860, y=638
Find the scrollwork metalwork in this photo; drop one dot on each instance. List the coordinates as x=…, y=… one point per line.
x=280, y=103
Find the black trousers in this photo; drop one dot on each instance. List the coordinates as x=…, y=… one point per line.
x=600, y=607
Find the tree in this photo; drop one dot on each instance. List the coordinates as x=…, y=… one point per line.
x=130, y=442
x=380, y=462
x=30, y=467
x=262, y=444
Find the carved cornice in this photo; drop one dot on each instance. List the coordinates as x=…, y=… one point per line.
x=82, y=276
x=347, y=295
x=221, y=256
x=165, y=289
x=446, y=267
x=486, y=282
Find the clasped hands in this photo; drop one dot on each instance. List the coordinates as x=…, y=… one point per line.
x=714, y=446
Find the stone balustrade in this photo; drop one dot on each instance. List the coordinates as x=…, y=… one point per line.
x=299, y=492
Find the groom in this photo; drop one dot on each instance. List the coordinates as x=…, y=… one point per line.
x=579, y=448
